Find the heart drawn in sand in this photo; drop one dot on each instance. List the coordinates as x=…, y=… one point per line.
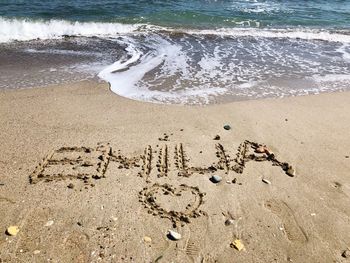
x=175, y=203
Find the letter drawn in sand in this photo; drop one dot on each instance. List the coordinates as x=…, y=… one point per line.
x=74, y=163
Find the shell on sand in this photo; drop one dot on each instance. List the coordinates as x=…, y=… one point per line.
x=12, y=230
x=266, y=181
x=260, y=149
x=174, y=235
x=216, y=179
x=291, y=171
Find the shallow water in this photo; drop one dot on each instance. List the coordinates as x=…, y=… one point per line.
x=177, y=51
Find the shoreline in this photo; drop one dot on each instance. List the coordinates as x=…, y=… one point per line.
x=303, y=218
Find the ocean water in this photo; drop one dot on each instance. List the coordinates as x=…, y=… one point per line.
x=195, y=52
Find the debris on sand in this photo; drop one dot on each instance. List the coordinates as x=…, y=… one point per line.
x=266, y=181
x=215, y=179
x=264, y=149
x=12, y=230
x=227, y=127
x=49, y=223
x=172, y=235
x=260, y=149
x=290, y=171
x=147, y=239
x=237, y=244
x=229, y=222
x=70, y=186
x=346, y=253
x=217, y=137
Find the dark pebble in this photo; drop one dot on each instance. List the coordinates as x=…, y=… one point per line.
x=217, y=137
x=227, y=127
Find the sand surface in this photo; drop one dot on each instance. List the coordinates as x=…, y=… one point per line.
x=88, y=176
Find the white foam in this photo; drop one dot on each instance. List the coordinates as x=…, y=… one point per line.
x=331, y=78
x=345, y=50
x=21, y=30
x=125, y=77
x=16, y=29
x=297, y=33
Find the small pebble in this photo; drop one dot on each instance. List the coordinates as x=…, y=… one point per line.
x=217, y=137
x=227, y=127
x=346, y=254
x=215, y=179
x=35, y=252
x=12, y=230
x=237, y=244
x=172, y=235
x=260, y=149
x=229, y=222
x=49, y=223
x=147, y=239
x=291, y=171
x=346, y=156
x=266, y=181
x=70, y=186
x=234, y=181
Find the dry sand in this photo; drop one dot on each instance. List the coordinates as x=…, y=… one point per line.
x=146, y=175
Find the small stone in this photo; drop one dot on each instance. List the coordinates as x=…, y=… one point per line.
x=234, y=181
x=346, y=156
x=172, y=235
x=35, y=252
x=266, y=181
x=215, y=179
x=70, y=186
x=346, y=254
x=290, y=171
x=217, y=137
x=260, y=149
x=147, y=239
x=229, y=222
x=227, y=127
x=237, y=244
x=49, y=223
x=12, y=230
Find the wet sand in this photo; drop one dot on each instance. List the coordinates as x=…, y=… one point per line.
x=88, y=176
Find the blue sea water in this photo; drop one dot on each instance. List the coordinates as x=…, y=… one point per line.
x=194, y=13
x=198, y=51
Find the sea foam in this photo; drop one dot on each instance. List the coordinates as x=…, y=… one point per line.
x=24, y=29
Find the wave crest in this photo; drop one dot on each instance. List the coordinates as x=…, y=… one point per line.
x=22, y=30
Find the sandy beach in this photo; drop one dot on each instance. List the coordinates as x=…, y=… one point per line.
x=88, y=176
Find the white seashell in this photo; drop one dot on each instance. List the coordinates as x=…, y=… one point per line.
x=266, y=181
x=216, y=179
x=49, y=223
x=174, y=235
